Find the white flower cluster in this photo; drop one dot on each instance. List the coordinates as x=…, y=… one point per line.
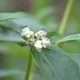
x=38, y=39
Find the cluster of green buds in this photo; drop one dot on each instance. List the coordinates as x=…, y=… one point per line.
x=38, y=39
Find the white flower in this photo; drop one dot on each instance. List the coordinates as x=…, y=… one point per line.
x=25, y=29
x=31, y=41
x=26, y=33
x=31, y=33
x=40, y=33
x=38, y=45
x=38, y=40
x=45, y=42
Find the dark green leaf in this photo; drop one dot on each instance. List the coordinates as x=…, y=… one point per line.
x=7, y=16
x=70, y=38
x=56, y=64
x=76, y=57
x=53, y=36
x=8, y=34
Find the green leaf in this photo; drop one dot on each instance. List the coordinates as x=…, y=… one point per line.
x=31, y=22
x=56, y=64
x=52, y=33
x=14, y=49
x=11, y=30
x=7, y=16
x=53, y=36
x=69, y=38
x=76, y=58
x=8, y=34
x=5, y=73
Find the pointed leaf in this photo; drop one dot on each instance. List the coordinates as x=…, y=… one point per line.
x=70, y=38
x=8, y=34
x=56, y=65
x=7, y=16
x=52, y=33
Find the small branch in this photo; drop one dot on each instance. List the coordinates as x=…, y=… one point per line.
x=29, y=66
x=65, y=17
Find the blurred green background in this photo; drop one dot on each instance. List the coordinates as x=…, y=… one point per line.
x=13, y=58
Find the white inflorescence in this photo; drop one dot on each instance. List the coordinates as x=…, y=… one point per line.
x=38, y=39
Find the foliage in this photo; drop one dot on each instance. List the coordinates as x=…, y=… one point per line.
x=53, y=62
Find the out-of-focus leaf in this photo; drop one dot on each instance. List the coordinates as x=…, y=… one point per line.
x=71, y=46
x=45, y=13
x=7, y=16
x=5, y=73
x=70, y=38
x=14, y=49
x=35, y=76
x=56, y=64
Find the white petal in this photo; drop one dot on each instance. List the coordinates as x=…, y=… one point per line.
x=42, y=32
x=38, y=45
x=25, y=29
x=45, y=41
x=31, y=41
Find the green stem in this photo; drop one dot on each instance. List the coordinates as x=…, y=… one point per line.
x=65, y=17
x=29, y=66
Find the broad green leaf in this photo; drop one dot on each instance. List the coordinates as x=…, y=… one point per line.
x=52, y=34
x=56, y=64
x=31, y=22
x=7, y=16
x=8, y=34
x=70, y=38
x=76, y=57
x=5, y=73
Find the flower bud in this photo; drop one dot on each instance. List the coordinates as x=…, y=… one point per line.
x=31, y=33
x=25, y=35
x=45, y=42
x=25, y=29
x=42, y=32
x=38, y=45
x=31, y=41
